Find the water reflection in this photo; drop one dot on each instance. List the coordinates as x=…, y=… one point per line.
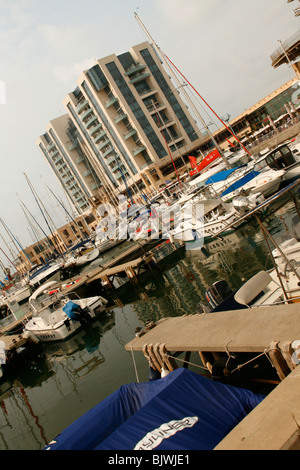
x=54, y=384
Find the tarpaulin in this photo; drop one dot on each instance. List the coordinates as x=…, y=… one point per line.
x=220, y=176
x=183, y=410
x=70, y=310
x=238, y=184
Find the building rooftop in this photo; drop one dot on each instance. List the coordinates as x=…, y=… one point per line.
x=288, y=51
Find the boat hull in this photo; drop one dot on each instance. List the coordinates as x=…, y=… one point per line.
x=206, y=231
x=65, y=327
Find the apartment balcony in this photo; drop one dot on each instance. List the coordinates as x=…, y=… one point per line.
x=95, y=129
x=108, y=152
x=120, y=117
x=118, y=174
x=103, y=144
x=54, y=154
x=100, y=136
x=129, y=134
x=178, y=138
x=112, y=159
x=156, y=107
x=148, y=92
x=138, y=77
x=86, y=113
x=90, y=122
x=50, y=146
x=73, y=146
x=165, y=124
x=134, y=68
x=79, y=160
x=138, y=150
x=82, y=203
x=111, y=101
x=59, y=161
x=81, y=106
x=87, y=173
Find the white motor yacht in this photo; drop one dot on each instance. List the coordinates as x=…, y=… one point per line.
x=55, y=317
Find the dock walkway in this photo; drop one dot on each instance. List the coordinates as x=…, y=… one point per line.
x=274, y=424
x=255, y=330
x=247, y=330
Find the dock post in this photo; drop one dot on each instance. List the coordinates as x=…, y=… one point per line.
x=169, y=362
x=107, y=282
x=287, y=353
x=278, y=360
x=131, y=274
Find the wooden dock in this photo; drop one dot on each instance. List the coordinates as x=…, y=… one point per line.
x=130, y=262
x=13, y=341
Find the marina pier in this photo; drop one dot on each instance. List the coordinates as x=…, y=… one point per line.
x=274, y=331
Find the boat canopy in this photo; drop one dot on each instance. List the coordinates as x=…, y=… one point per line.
x=182, y=411
x=238, y=184
x=220, y=176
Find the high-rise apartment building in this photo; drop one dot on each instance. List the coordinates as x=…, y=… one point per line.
x=127, y=121
x=61, y=148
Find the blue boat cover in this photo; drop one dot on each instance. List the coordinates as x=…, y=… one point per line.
x=220, y=176
x=70, y=309
x=182, y=411
x=245, y=179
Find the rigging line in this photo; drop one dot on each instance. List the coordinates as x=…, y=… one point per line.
x=15, y=240
x=167, y=58
x=36, y=200
x=186, y=362
x=47, y=248
x=194, y=96
x=264, y=353
x=134, y=365
x=169, y=151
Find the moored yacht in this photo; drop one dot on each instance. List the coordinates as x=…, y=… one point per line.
x=56, y=317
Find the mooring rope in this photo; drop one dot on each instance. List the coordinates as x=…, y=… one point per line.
x=134, y=365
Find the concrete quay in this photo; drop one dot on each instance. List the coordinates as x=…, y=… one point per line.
x=275, y=423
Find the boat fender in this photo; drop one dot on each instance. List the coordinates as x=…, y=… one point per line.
x=164, y=372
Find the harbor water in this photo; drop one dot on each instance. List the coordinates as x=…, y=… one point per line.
x=51, y=385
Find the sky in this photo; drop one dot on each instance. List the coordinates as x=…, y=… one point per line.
x=222, y=47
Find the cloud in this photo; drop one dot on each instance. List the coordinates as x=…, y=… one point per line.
x=186, y=13
x=68, y=73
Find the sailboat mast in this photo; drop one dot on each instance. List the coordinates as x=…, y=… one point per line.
x=54, y=237
x=162, y=58
x=166, y=61
x=14, y=240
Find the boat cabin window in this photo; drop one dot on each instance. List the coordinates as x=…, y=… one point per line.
x=280, y=158
x=261, y=165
